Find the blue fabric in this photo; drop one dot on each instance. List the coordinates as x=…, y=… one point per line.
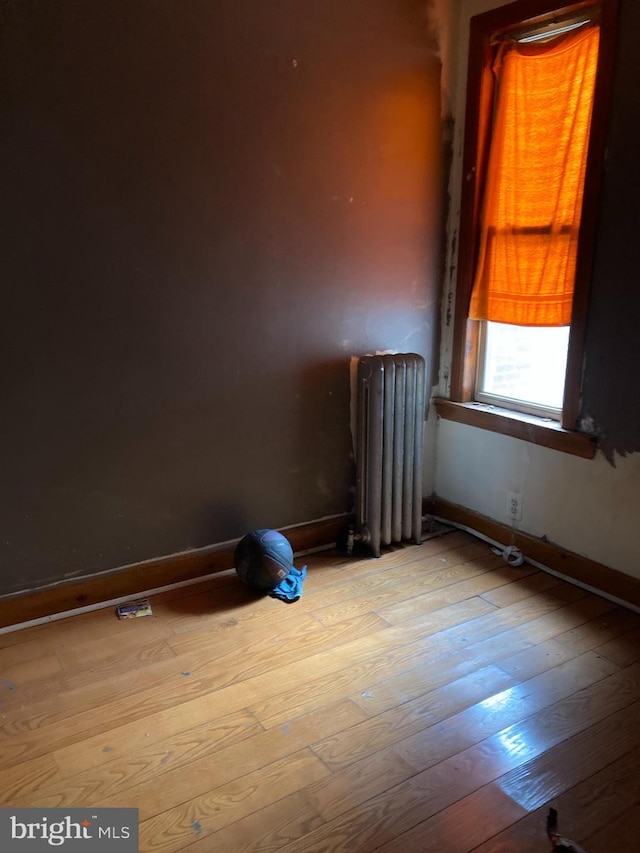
x=290, y=589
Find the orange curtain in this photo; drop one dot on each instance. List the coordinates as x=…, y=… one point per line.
x=530, y=214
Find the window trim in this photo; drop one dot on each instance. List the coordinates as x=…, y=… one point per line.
x=518, y=425
x=483, y=28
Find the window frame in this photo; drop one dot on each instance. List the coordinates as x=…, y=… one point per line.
x=516, y=405
x=483, y=28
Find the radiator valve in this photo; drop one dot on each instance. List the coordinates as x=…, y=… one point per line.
x=348, y=537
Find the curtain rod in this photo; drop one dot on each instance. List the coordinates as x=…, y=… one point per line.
x=555, y=26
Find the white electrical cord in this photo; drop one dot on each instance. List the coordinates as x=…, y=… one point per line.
x=510, y=554
x=501, y=549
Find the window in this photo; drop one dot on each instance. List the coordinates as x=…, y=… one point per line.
x=522, y=367
x=525, y=352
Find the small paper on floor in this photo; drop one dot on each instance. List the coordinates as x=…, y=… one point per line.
x=133, y=609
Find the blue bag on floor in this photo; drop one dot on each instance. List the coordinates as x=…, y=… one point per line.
x=290, y=588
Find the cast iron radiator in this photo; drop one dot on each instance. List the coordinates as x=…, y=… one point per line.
x=390, y=418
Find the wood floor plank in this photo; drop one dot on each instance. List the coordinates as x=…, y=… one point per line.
x=80, y=708
x=392, y=557
x=61, y=679
x=432, y=699
x=436, y=742
x=347, y=788
x=461, y=827
x=375, y=689
x=519, y=589
x=175, y=736
x=380, y=819
x=251, y=651
x=498, y=816
x=17, y=675
x=394, y=725
x=96, y=696
x=74, y=657
x=590, y=635
x=382, y=591
x=625, y=829
x=623, y=650
x=408, y=684
x=583, y=809
x=264, y=831
x=19, y=783
x=175, y=686
x=373, y=651
x=128, y=684
x=22, y=653
x=514, y=615
x=400, y=610
x=554, y=720
x=370, y=676
x=569, y=593
x=216, y=808
x=184, y=766
x=570, y=762
x=405, y=642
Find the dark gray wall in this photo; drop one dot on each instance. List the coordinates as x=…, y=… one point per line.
x=611, y=402
x=207, y=208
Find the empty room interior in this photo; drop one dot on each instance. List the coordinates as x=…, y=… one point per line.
x=351, y=282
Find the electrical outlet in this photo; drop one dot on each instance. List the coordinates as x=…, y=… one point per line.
x=514, y=506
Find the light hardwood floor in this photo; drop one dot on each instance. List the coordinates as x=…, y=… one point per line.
x=432, y=700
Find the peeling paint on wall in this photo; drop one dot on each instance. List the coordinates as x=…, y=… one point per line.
x=440, y=15
x=611, y=388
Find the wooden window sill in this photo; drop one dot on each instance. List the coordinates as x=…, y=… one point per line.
x=518, y=425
